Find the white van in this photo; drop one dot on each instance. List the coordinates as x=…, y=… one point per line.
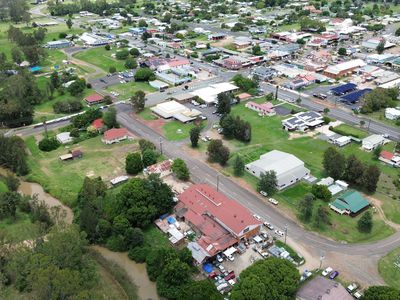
x=222, y=286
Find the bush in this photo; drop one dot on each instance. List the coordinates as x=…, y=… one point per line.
x=62, y=35
x=48, y=144
x=343, y=132
x=138, y=254
x=69, y=106
x=107, y=47
x=75, y=132
x=116, y=243
x=144, y=74
x=122, y=54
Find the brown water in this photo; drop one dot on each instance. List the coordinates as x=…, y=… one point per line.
x=136, y=272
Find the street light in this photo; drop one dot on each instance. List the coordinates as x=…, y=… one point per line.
x=321, y=258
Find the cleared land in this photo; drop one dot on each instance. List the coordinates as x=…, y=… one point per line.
x=351, y=130
x=126, y=90
x=101, y=58
x=176, y=130
x=63, y=180
x=389, y=268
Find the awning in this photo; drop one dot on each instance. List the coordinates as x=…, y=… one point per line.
x=257, y=239
x=229, y=251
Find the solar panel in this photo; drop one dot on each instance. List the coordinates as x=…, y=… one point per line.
x=354, y=97
x=343, y=89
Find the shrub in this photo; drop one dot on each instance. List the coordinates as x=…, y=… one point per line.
x=69, y=106
x=48, y=144
x=116, y=243
x=138, y=254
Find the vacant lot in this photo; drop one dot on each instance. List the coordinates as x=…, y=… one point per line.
x=389, y=268
x=101, y=58
x=126, y=90
x=63, y=180
x=351, y=130
x=175, y=130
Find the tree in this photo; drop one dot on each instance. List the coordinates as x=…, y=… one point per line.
x=268, y=182
x=217, y=152
x=223, y=103
x=16, y=55
x=133, y=163
x=321, y=192
x=48, y=144
x=149, y=157
x=271, y=278
x=377, y=152
x=194, y=136
x=122, y=54
x=77, y=87
x=108, y=48
x=256, y=50
x=173, y=276
x=144, y=74
x=342, y=51
x=381, y=293
x=244, y=83
x=69, y=23
x=306, y=207
x=110, y=118
x=145, y=144
x=326, y=110
x=135, y=238
x=397, y=32
x=200, y=290
x=354, y=169
x=134, y=52
x=112, y=70
x=180, y=169
x=381, y=46
x=8, y=204
x=142, y=23
x=138, y=101
x=334, y=163
x=322, y=216
x=131, y=63
x=13, y=154
x=370, y=178
x=238, y=166
x=365, y=223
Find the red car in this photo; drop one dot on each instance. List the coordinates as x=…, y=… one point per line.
x=212, y=275
x=230, y=276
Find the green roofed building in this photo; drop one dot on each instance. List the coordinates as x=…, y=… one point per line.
x=350, y=203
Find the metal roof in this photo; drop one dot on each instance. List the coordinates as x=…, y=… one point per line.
x=343, y=89
x=354, y=97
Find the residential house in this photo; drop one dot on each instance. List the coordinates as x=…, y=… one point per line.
x=350, y=203
x=371, y=142
x=264, y=109
x=390, y=158
x=392, y=113
x=98, y=124
x=303, y=121
x=288, y=168
x=94, y=99
x=115, y=135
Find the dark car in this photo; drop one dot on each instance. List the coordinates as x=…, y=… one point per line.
x=212, y=275
x=230, y=276
x=334, y=274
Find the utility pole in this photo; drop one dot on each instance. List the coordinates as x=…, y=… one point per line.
x=276, y=92
x=161, y=150
x=217, y=182
x=286, y=229
x=321, y=258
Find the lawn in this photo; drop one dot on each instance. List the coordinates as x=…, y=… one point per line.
x=351, y=130
x=63, y=180
x=388, y=270
x=19, y=229
x=3, y=187
x=101, y=58
x=176, y=130
x=153, y=237
x=380, y=116
x=126, y=90
x=147, y=115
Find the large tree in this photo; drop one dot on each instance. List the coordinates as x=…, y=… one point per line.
x=381, y=293
x=217, y=152
x=354, y=169
x=200, y=290
x=110, y=118
x=306, y=207
x=271, y=278
x=194, y=136
x=138, y=101
x=238, y=166
x=365, y=223
x=180, y=169
x=224, y=103
x=133, y=163
x=370, y=178
x=268, y=182
x=334, y=163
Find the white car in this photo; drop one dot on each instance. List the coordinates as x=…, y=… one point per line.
x=327, y=271
x=231, y=257
x=269, y=225
x=203, y=106
x=279, y=232
x=221, y=268
x=219, y=258
x=263, y=193
x=273, y=201
x=352, y=287
x=257, y=217
x=203, y=117
x=357, y=295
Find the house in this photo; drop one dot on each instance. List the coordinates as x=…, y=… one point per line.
x=264, y=73
x=350, y=203
x=115, y=135
x=170, y=226
x=172, y=78
x=321, y=288
x=64, y=138
x=94, y=99
x=178, y=111
x=343, y=69
x=58, y=44
x=219, y=221
x=90, y=39
x=343, y=89
x=232, y=63
x=265, y=109
x=98, y=124
x=216, y=36
x=159, y=85
x=373, y=141
x=392, y=113
x=303, y=121
x=162, y=168
x=242, y=42
x=342, y=141
x=375, y=41
x=390, y=158
x=288, y=168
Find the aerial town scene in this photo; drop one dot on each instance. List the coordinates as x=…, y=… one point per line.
x=199, y=149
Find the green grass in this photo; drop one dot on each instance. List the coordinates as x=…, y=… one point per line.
x=295, y=26
x=351, y=130
x=147, y=115
x=63, y=180
x=380, y=116
x=154, y=238
x=19, y=229
x=176, y=130
x=126, y=90
x=3, y=187
x=389, y=272
x=101, y=58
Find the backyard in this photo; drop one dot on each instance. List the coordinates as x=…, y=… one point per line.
x=107, y=161
x=389, y=268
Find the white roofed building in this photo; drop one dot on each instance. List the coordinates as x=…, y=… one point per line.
x=343, y=69
x=209, y=94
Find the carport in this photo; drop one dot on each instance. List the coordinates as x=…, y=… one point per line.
x=257, y=239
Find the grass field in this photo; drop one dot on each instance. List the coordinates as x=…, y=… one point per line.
x=388, y=270
x=19, y=229
x=147, y=115
x=126, y=90
x=107, y=161
x=101, y=58
x=353, y=131
x=176, y=130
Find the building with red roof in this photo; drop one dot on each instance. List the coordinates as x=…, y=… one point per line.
x=266, y=109
x=94, y=99
x=175, y=63
x=98, y=124
x=219, y=221
x=390, y=158
x=115, y=135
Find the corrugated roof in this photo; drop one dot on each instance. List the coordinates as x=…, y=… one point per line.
x=352, y=201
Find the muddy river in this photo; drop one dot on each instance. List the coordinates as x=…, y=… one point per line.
x=146, y=289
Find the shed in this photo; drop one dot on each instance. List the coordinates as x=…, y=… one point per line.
x=64, y=138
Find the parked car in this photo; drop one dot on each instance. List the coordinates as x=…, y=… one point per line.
x=203, y=106
x=269, y=225
x=230, y=276
x=264, y=193
x=212, y=275
x=220, y=258
x=357, y=295
x=231, y=257
x=279, y=232
x=203, y=117
x=352, y=287
x=334, y=274
x=257, y=217
x=222, y=286
x=327, y=271
x=273, y=201
x=221, y=268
